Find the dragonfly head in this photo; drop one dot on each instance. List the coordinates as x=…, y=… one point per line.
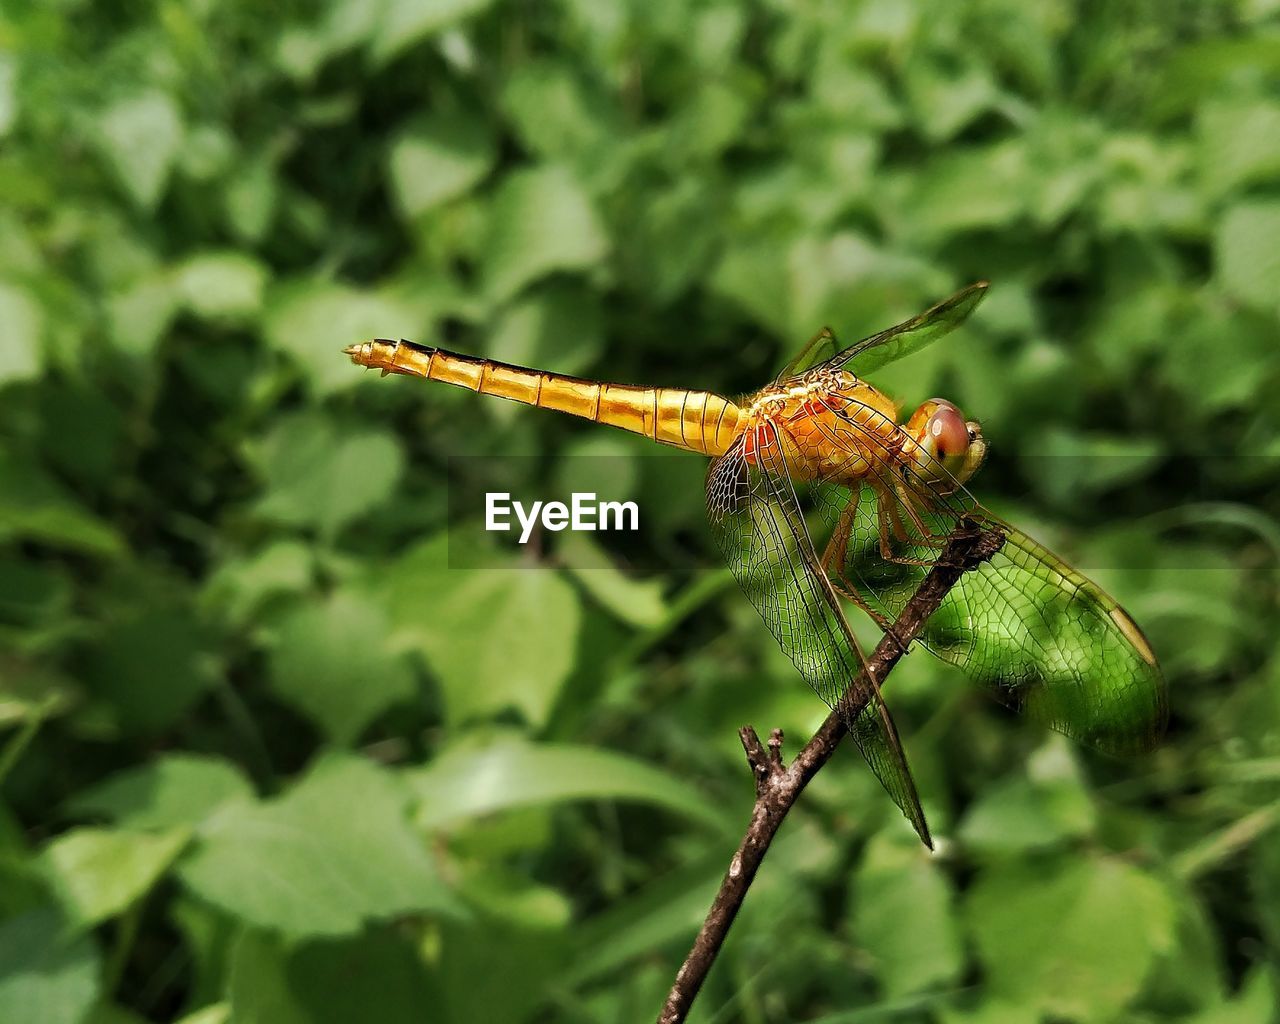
x=949, y=449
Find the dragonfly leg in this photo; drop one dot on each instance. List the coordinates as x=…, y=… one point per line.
x=837, y=549
x=836, y=554
x=883, y=621
x=927, y=536
x=895, y=520
x=882, y=520
x=891, y=526
x=834, y=558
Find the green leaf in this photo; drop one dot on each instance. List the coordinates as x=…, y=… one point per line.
x=174, y=790
x=252, y=199
x=541, y=221
x=8, y=98
x=218, y=1013
x=552, y=111
x=330, y=662
x=109, y=1013
x=99, y=873
x=439, y=160
x=140, y=138
x=496, y=637
x=1255, y=1002
x=1239, y=143
x=331, y=854
x=313, y=321
x=1143, y=187
x=238, y=588
x=636, y=602
x=511, y=896
x=991, y=1011
x=903, y=916
x=674, y=239
x=46, y=975
x=944, y=103
x=405, y=23
x=1210, y=375
x=602, y=461
x=1192, y=975
x=32, y=592
x=1065, y=465
x=150, y=668
x=259, y=990
x=376, y=976
x=1246, y=257
x=208, y=152
x=968, y=190
x=222, y=285
x=207, y=936
x=20, y=339
x=1264, y=881
x=33, y=506
x=465, y=784
x=140, y=315
x=1073, y=937
x=748, y=274
x=1047, y=806
x=558, y=326
x=711, y=119
x=320, y=477
x=29, y=694
x=531, y=958
x=664, y=913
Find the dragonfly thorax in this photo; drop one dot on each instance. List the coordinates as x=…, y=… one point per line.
x=828, y=425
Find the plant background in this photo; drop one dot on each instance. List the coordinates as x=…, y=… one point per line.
x=267, y=758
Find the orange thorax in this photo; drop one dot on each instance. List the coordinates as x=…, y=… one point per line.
x=834, y=427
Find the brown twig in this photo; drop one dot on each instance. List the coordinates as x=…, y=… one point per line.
x=778, y=786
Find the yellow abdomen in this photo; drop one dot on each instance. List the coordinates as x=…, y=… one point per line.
x=697, y=421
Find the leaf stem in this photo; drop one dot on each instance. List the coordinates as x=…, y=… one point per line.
x=17, y=746
x=1225, y=843
x=122, y=948
x=241, y=721
x=689, y=600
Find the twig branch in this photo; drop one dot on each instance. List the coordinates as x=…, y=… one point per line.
x=778, y=786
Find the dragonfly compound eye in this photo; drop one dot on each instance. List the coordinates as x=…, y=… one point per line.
x=950, y=448
x=946, y=433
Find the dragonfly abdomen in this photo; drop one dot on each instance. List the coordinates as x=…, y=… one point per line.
x=697, y=421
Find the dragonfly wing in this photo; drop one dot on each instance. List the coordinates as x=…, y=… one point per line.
x=870, y=354
x=1042, y=637
x=818, y=349
x=757, y=521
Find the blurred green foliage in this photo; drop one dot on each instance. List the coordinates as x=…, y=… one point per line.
x=267, y=758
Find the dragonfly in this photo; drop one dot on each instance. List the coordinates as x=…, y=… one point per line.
x=822, y=500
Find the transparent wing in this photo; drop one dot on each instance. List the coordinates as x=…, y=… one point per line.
x=870, y=354
x=1043, y=638
x=756, y=518
x=818, y=349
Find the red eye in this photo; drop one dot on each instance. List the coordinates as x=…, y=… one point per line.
x=948, y=450
x=946, y=432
